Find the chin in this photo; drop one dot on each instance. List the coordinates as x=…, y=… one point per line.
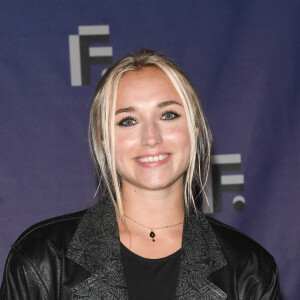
x=157, y=186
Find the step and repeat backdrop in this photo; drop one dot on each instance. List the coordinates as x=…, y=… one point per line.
x=243, y=57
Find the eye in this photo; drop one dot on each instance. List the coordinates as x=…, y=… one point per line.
x=128, y=121
x=169, y=115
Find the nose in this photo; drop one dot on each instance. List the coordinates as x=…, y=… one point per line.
x=151, y=134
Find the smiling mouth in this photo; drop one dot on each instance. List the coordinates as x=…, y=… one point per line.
x=153, y=158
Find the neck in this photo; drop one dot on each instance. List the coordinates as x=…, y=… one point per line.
x=154, y=208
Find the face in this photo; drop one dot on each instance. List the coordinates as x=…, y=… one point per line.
x=152, y=141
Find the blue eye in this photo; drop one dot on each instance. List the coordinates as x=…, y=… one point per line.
x=169, y=115
x=128, y=121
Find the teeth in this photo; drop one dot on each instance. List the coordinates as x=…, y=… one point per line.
x=153, y=158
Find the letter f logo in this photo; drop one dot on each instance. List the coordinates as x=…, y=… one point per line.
x=83, y=55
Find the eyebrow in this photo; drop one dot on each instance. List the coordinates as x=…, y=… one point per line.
x=167, y=103
x=160, y=105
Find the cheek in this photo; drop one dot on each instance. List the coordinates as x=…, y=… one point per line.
x=123, y=141
x=120, y=151
x=179, y=136
x=124, y=148
x=125, y=151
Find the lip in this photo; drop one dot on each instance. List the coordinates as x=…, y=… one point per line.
x=153, y=164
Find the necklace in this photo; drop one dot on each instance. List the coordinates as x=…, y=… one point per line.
x=152, y=234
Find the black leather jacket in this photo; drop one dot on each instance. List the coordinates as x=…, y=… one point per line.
x=77, y=256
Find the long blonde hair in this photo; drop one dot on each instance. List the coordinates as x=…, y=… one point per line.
x=102, y=116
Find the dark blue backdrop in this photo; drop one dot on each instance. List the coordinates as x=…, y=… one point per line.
x=243, y=58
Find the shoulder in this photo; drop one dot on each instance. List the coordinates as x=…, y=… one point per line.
x=252, y=265
x=36, y=267
x=237, y=245
x=37, y=259
x=55, y=233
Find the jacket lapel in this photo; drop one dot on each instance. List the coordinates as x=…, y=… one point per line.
x=201, y=256
x=96, y=247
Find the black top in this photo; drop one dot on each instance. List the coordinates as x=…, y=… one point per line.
x=150, y=279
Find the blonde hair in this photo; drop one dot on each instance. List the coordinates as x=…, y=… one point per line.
x=102, y=119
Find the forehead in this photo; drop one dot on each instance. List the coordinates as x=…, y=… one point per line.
x=146, y=82
x=145, y=76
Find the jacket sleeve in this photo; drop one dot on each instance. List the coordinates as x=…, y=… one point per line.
x=266, y=287
x=21, y=281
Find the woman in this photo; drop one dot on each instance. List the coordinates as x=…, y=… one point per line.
x=144, y=239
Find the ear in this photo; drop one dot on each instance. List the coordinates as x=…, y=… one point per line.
x=197, y=131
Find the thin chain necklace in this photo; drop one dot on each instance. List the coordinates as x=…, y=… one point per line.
x=152, y=234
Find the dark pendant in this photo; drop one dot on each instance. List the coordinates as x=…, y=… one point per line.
x=152, y=235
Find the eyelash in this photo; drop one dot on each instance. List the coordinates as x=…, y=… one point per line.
x=121, y=123
x=130, y=118
x=171, y=113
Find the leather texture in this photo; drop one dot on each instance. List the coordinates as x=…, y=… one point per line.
x=77, y=256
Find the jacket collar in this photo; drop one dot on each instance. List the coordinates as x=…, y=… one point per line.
x=201, y=256
x=96, y=247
